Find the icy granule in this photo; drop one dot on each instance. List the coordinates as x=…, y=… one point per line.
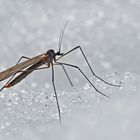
x=85, y=113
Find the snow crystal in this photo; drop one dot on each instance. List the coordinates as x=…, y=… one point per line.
x=85, y=113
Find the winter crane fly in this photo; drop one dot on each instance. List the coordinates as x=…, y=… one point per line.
x=43, y=61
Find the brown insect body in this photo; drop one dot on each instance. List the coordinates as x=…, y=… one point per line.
x=35, y=63
x=44, y=59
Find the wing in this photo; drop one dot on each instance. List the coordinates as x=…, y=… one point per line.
x=24, y=74
x=13, y=70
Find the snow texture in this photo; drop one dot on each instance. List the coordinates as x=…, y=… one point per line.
x=109, y=33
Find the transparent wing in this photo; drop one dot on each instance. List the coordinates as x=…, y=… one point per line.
x=9, y=72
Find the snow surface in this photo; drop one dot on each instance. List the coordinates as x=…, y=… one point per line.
x=86, y=115
x=109, y=33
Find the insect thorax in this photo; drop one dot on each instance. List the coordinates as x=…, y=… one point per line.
x=51, y=55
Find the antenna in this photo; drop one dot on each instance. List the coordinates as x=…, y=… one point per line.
x=61, y=36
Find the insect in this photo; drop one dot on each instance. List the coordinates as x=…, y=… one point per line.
x=43, y=61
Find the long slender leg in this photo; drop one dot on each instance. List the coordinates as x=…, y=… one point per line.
x=84, y=76
x=67, y=75
x=22, y=57
x=15, y=73
x=55, y=93
x=79, y=47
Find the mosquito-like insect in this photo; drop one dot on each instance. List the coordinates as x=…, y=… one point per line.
x=43, y=61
